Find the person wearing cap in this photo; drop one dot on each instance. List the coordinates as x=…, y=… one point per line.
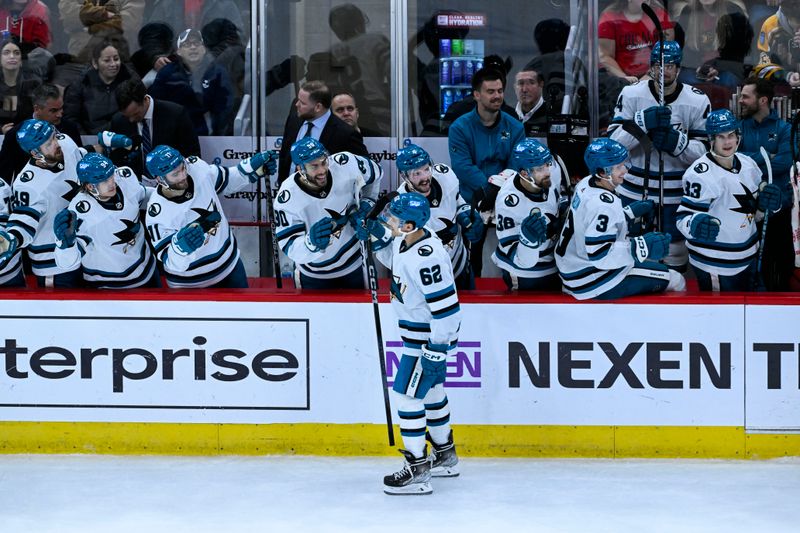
x=101, y=229
x=45, y=186
x=195, y=81
x=185, y=222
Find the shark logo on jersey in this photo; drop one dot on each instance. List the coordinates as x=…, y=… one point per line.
x=511, y=200
x=747, y=204
x=154, y=210
x=396, y=289
x=701, y=167
x=127, y=236
x=26, y=176
x=607, y=198
x=341, y=159
x=83, y=206
x=340, y=220
x=505, y=135
x=425, y=250
x=74, y=189
x=208, y=218
x=284, y=196
x=448, y=233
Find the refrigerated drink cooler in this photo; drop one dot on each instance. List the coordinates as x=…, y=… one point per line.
x=459, y=59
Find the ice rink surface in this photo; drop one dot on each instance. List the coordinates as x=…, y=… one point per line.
x=233, y=494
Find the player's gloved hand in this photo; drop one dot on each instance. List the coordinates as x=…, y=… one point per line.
x=704, y=228
x=111, y=140
x=357, y=218
x=669, y=140
x=210, y=220
x=490, y=191
x=434, y=362
x=769, y=197
x=651, y=245
x=471, y=225
x=65, y=227
x=654, y=117
x=259, y=164
x=380, y=235
x=8, y=245
x=319, y=236
x=533, y=229
x=189, y=238
x=639, y=209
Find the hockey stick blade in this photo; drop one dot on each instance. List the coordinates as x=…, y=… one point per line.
x=647, y=10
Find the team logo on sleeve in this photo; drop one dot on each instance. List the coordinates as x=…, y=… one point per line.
x=425, y=250
x=607, y=198
x=701, y=167
x=441, y=169
x=60, y=136
x=124, y=172
x=83, y=206
x=511, y=200
x=26, y=176
x=284, y=196
x=154, y=210
x=341, y=159
x=192, y=159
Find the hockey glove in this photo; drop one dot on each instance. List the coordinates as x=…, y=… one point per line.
x=490, y=192
x=65, y=227
x=257, y=165
x=434, y=364
x=358, y=216
x=669, y=140
x=319, y=236
x=639, y=209
x=8, y=245
x=380, y=236
x=189, y=239
x=654, y=117
x=769, y=197
x=653, y=245
x=533, y=229
x=110, y=140
x=471, y=225
x=704, y=228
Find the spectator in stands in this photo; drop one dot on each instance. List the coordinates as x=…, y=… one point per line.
x=761, y=126
x=27, y=20
x=531, y=109
x=156, y=45
x=734, y=40
x=195, y=81
x=776, y=41
x=48, y=105
x=224, y=43
x=626, y=36
x=481, y=144
x=344, y=106
x=90, y=101
x=88, y=21
x=179, y=14
x=697, y=20
x=16, y=85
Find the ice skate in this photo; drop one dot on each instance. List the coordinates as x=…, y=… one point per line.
x=413, y=478
x=444, y=461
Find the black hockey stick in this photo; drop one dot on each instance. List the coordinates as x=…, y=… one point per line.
x=273, y=224
x=633, y=129
x=661, y=100
x=372, y=279
x=758, y=283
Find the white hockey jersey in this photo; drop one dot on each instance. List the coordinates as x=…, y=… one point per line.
x=446, y=204
x=514, y=203
x=423, y=292
x=594, y=252
x=351, y=178
x=732, y=197
x=111, y=244
x=10, y=268
x=690, y=107
x=219, y=254
x=39, y=194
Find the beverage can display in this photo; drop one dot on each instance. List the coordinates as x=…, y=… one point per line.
x=457, y=95
x=444, y=48
x=457, y=72
x=469, y=70
x=478, y=65
x=469, y=47
x=444, y=73
x=447, y=100
x=457, y=47
x=466, y=93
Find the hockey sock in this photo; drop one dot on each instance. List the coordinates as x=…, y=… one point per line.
x=411, y=413
x=437, y=413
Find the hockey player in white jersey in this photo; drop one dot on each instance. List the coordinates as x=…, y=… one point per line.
x=429, y=317
x=677, y=132
x=595, y=256
x=527, y=210
x=11, y=274
x=319, y=211
x=185, y=222
x=724, y=196
x=452, y=219
x=101, y=230
x=45, y=186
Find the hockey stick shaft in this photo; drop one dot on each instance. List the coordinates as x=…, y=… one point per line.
x=633, y=129
x=763, y=239
x=661, y=101
x=273, y=225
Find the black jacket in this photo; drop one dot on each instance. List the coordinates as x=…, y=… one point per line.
x=91, y=103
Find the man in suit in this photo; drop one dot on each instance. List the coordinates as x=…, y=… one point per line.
x=48, y=105
x=150, y=122
x=312, y=117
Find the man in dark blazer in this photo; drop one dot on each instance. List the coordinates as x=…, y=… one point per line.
x=166, y=122
x=311, y=116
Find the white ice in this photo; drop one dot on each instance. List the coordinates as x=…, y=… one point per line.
x=241, y=494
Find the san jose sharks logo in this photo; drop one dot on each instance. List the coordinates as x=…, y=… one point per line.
x=74, y=189
x=340, y=220
x=448, y=233
x=748, y=204
x=208, y=219
x=127, y=236
x=397, y=289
